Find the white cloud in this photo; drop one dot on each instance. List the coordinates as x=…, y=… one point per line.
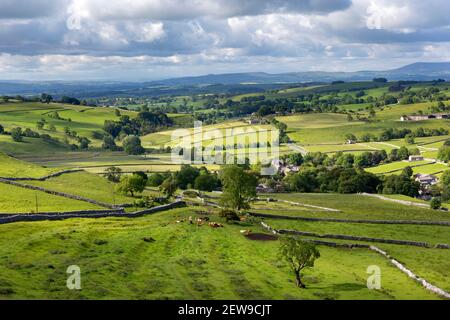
x=203, y=36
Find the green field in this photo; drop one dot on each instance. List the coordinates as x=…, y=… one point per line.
x=356, y=207
x=14, y=168
x=184, y=262
x=86, y=185
x=19, y=200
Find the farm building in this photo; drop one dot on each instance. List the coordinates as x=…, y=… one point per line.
x=255, y=121
x=425, y=117
x=426, y=179
x=415, y=158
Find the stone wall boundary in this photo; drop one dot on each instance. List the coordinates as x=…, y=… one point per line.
x=411, y=222
x=118, y=212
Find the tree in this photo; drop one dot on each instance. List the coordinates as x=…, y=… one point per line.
x=303, y=181
x=113, y=128
x=381, y=80
x=239, y=187
x=109, y=143
x=113, y=174
x=350, y=137
x=299, y=254
x=155, y=179
x=409, y=139
x=403, y=153
x=444, y=153
x=206, y=182
x=349, y=117
x=169, y=186
x=142, y=174
x=16, y=134
x=132, y=145
x=46, y=98
x=186, y=176
x=84, y=143
x=295, y=159
x=40, y=124
x=401, y=184
x=131, y=184
x=435, y=203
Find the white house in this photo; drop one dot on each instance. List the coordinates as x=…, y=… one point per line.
x=426, y=179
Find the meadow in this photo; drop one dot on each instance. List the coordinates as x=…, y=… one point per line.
x=183, y=262
x=15, y=199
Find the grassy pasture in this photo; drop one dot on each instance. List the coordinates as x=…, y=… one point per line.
x=19, y=200
x=85, y=184
x=14, y=168
x=358, y=207
x=432, y=264
x=430, y=234
x=395, y=166
x=184, y=262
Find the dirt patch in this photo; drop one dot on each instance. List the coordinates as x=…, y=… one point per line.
x=261, y=237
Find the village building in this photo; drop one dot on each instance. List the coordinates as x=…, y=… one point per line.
x=415, y=158
x=425, y=117
x=426, y=180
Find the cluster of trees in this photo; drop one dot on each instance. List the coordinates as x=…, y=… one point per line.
x=403, y=183
x=351, y=180
x=416, y=96
x=17, y=134
x=394, y=133
x=47, y=98
x=237, y=183
x=349, y=160
x=188, y=177
x=336, y=179
x=144, y=123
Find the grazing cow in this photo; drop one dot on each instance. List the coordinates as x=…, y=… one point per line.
x=215, y=225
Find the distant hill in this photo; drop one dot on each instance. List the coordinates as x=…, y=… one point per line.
x=425, y=68
x=231, y=82
x=420, y=71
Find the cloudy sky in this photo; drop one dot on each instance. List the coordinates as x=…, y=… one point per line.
x=155, y=39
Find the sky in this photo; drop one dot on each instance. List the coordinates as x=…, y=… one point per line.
x=136, y=40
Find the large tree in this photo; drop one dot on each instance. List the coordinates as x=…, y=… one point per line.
x=299, y=254
x=239, y=186
x=113, y=174
x=131, y=184
x=132, y=145
x=169, y=186
x=186, y=176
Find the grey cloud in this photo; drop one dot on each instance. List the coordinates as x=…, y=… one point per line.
x=26, y=9
x=219, y=35
x=191, y=9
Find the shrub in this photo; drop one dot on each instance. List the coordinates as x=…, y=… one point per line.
x=435, y=203
x=16, y=134
x=229, y=215
x=132, y=145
